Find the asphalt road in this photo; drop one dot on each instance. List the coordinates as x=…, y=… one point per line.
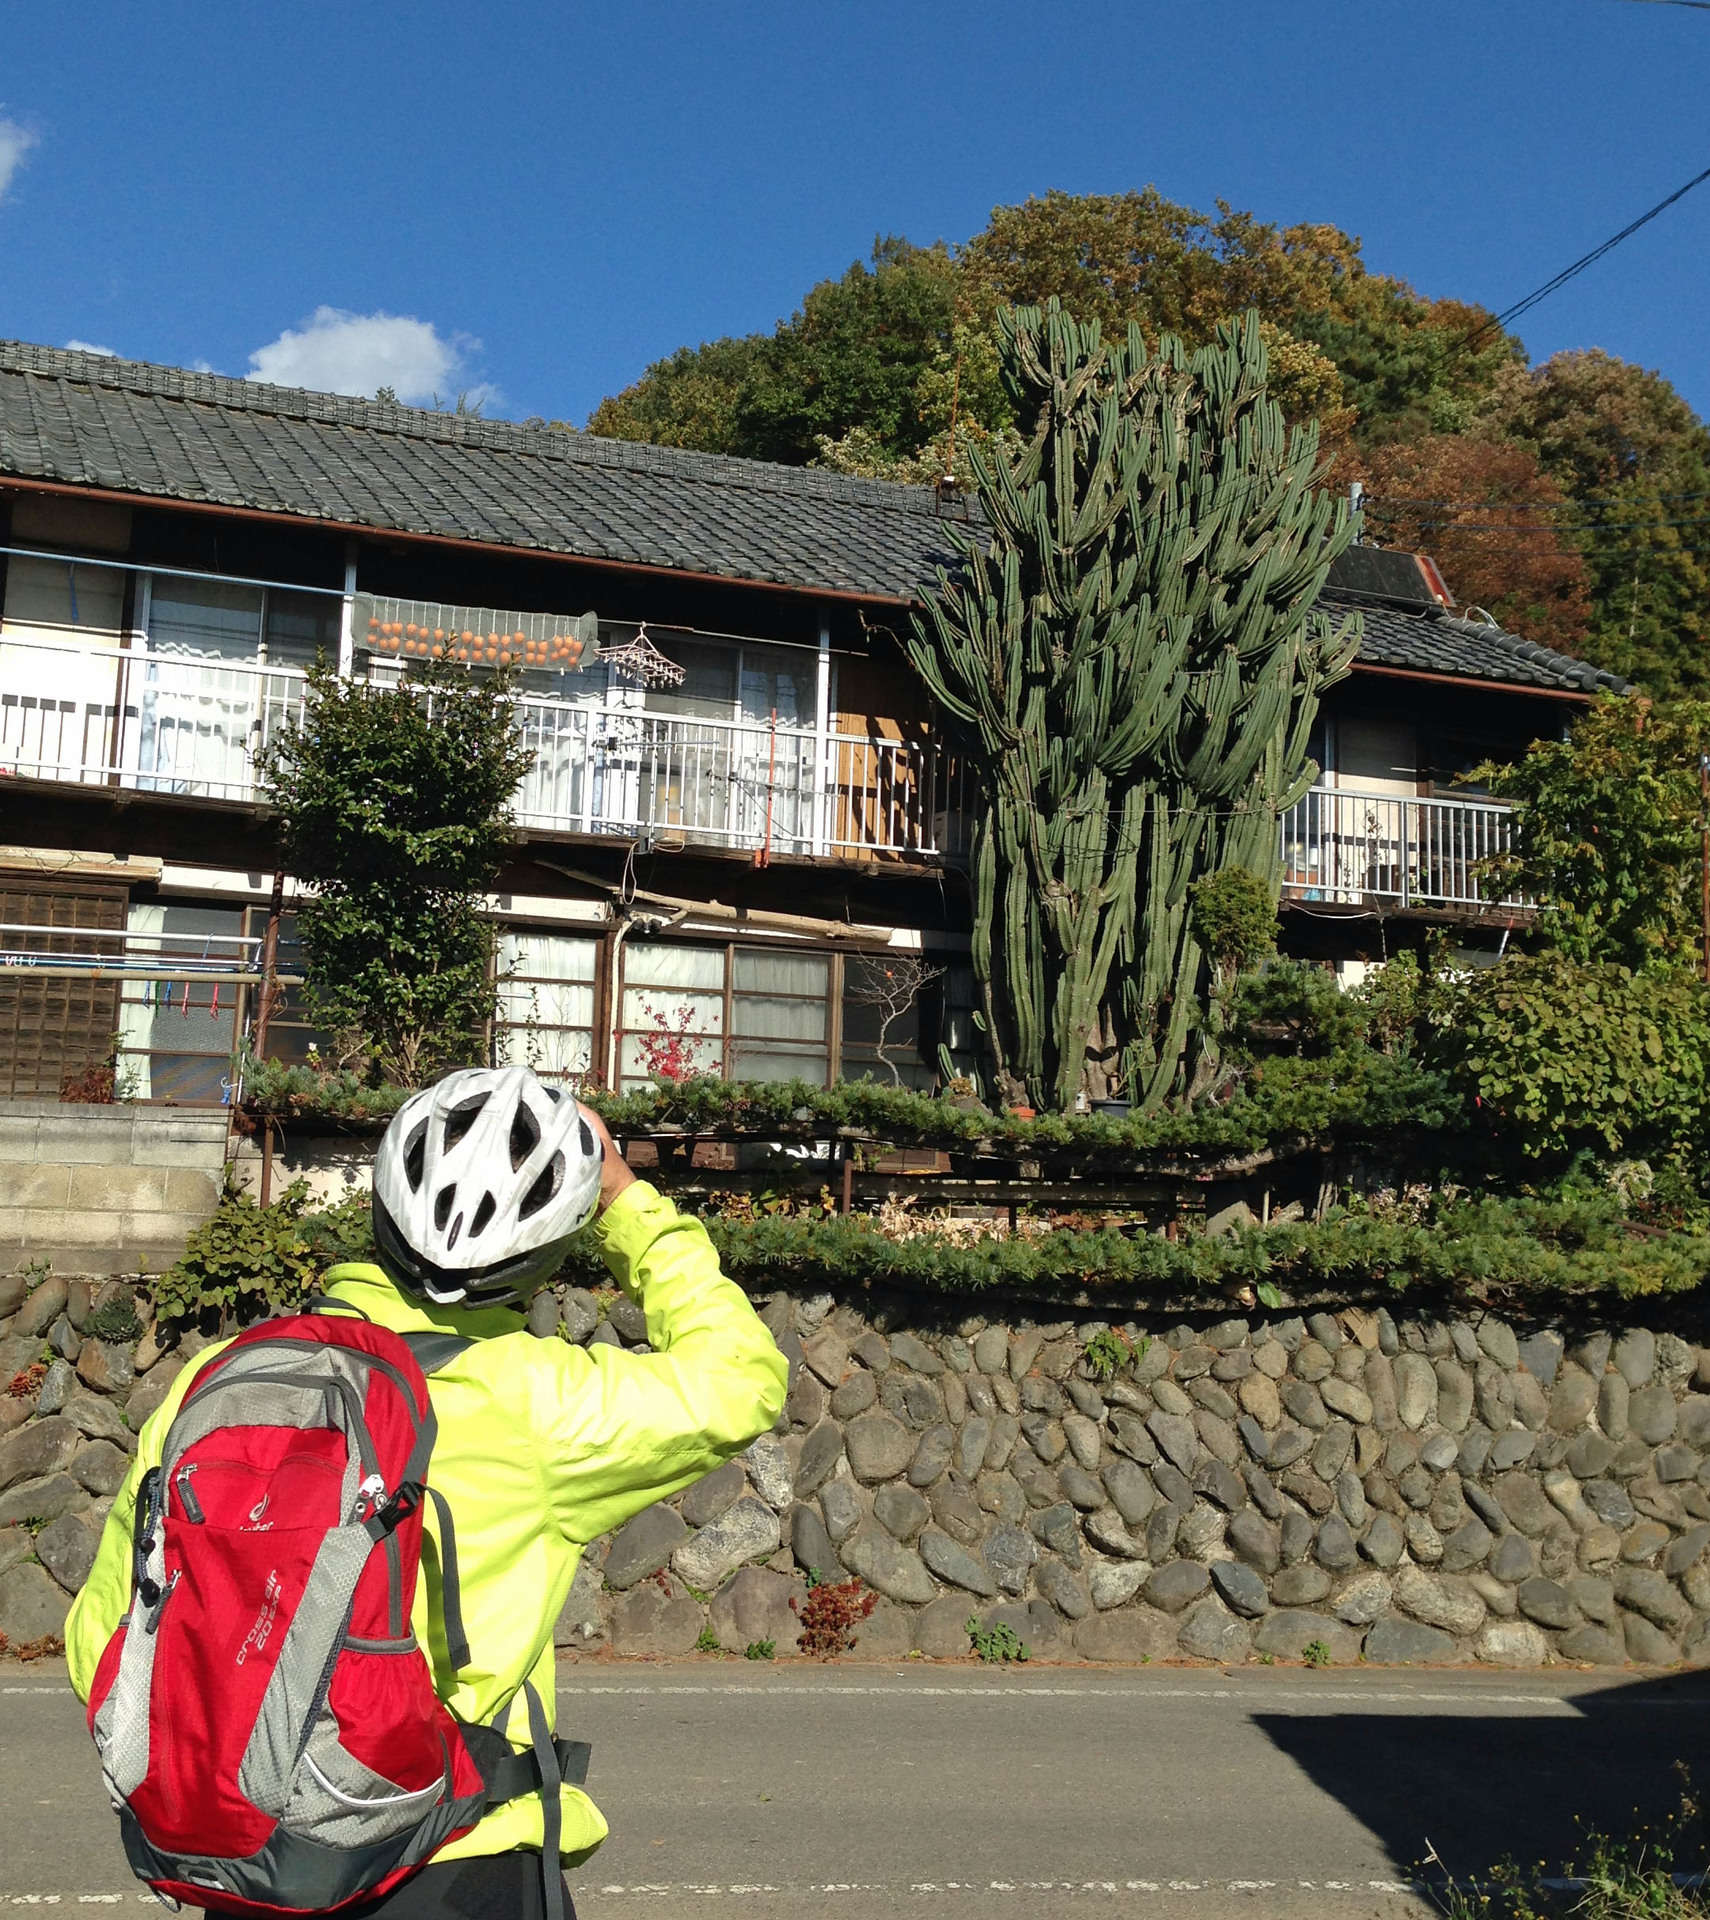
x=850, y=1792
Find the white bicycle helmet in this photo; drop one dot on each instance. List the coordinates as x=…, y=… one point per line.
x=479, y=1184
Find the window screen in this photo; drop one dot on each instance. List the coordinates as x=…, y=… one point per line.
x=177, y=1037
x=673, y=1012
x=205, y=619
x=546, y=1001
x=300, y=627
x=778, y=1021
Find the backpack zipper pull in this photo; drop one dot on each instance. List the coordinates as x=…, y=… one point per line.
x=160, y=1606
x=187, y=1495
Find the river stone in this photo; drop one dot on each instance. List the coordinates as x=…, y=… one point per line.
x=1129, y=1636
x=1415, y=1389
x=42, y=1447
x=1395, y=1642
x=1058, y=1528
x=841, y=1506
x=1083, y=1438
x=1302, y=1586
x=1596, y=1646
x=954, y=1564
x=1644, y=1542
x=1254, y=1541
x=1522, y=1500
x=1589, y=1456
x=1131, y=1491
x=42, y=1499
x=1648, y=1645
x=769, y=1471
x=1686, y=1551
x=1287, y=1446
x=1010, y=1553
x=1511, y=1643
x=900, y=1511
x=1115, y=1585
x=1531, y=1406
x=1287, y=1634
x=921, y=1400
x=1220, y=1485
x=811, y=1545
x=1023, y=1351
x=1613, y=1395
x=1694, y=1418
x=1652, y=1415
x=957, y=1510
x=31, y=1606
x=1304, y=1404
x=1635, y=1356
x=1129, y=1436
x=1454, y=1395
x=41, y=1309
x=1352, y=1402
x=1311, y=1361
x=1572, y=1399
x=1541, y=1356
x=908, y=1351
x=1446, y=1603
x=1599, y=1548
x=1263, y=1489
x=941, y=1630
x=1297, y=1534
x=1363, y=1600
x=1439, y=1452
x=879, y=1447
x=1510, y=1449
x=971, y=1444
x=100, y=1468
x=1106, y=1532
x=644, y=1620
x=754, y=1606
x=1176, y=1436
x=748, y=1531
x=1253, y=1437
x=1496, y=1339
x=1210, y=1633
x=1676, y=1463
x=716, y=1493
x=1058, y=1585
x=820, y=1453
x=1334, y=1545
x=805, y=1403
x=1006, y=1431
x=1468, y=1545
x=887, y=1566
x=855, y=1396
x=1241, y=1587
x=1512, y=1559
x=1549, y=1603
x=931, y=1456
x=1176, y=1585
x=991, y=1349
x=1642, y=1590
x=66, y=1547
x=1258, y=1395
x=60, y=1383
x=579, y=1314
x=1608, y=1500
x=1080, y=1487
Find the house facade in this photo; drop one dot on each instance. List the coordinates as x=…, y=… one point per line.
x=737, y=806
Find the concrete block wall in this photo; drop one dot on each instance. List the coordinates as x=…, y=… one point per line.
x=105, y=1189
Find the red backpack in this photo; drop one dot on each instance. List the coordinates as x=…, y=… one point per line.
x=267, y=1722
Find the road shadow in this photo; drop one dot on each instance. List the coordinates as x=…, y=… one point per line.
x=1484, y=1786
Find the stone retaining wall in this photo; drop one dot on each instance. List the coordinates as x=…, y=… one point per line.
x=105, y=1189
x=1339, y=1488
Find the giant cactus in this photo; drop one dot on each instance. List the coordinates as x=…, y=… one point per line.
x=1128, y=658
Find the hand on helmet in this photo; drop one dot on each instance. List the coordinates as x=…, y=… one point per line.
x=614, y=1170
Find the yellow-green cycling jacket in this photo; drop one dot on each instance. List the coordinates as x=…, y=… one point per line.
x=542, y=1447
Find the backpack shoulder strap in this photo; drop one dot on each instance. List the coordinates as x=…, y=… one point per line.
x=435, y=1350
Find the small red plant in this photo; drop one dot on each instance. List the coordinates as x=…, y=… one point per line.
x=43, y=1649
x=828, y=1614
x=671, y=1053
x=93, y=1087
x=28, y=1382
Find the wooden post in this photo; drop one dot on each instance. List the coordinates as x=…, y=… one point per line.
x=848, y=1176
x=1704, y=856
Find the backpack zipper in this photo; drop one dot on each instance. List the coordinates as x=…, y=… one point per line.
x=186, y=1493
x=153, y=1620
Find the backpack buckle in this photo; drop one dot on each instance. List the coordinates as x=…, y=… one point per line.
x=390, y=1514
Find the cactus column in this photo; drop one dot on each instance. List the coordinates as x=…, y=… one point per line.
x=1130, y=664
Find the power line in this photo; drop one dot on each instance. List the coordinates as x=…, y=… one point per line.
x=1703, y=6
x=1514, y=312
x=1373, y=502
x=1568, y=527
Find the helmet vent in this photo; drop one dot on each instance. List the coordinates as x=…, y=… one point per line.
x=413, y=1154
x=483, y=1213
x=442, y=1207
x=587, y=1133
x=525, y=1135
x=550, y=1180
x=460, y=1119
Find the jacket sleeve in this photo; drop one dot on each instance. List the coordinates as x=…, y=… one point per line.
x=622, y=1430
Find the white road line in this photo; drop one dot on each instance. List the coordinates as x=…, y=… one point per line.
x=1253, y=1697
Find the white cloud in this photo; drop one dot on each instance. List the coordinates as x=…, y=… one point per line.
x=357, y=353
x=15, y=142
x=88, y=346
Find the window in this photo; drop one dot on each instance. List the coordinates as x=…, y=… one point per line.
x=249, y=626
x=874, y=1046
x=779, y=1015
x=177, y=1037
x=54, y=1027
x=64, y=601
x=290, y=1031
x=673, y=1012
x=546, y=1002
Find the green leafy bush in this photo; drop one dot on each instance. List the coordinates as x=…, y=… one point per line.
x=1000, y=1644
x=1566, y=1054
x=247, y=1261
x=114, y=1320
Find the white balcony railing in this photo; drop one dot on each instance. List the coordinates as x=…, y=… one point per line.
x=166, y=723
x=1347, y=848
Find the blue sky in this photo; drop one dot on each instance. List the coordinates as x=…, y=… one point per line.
x=531, y=201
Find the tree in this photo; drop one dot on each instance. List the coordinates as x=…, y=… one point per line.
x=394, y=811
x=1455, y=496
x=891, y=984
x=1607, y=834
x=690, y=399
x=1627, y=449
x=1131, y=668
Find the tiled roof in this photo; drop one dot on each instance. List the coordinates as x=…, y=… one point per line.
x=166, y=434
x=1440, y=643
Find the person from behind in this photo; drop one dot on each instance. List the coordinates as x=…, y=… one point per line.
x=533, y=1448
